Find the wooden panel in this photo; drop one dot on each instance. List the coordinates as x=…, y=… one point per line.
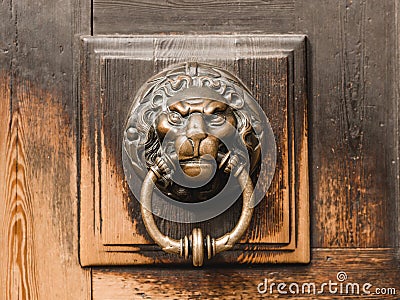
x=132, y=16
x=114, y=68
x=354, y=113
x=378, y=267
x=121, y=80
x=38, y=207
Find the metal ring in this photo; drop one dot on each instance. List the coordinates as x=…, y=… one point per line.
x=212, y=246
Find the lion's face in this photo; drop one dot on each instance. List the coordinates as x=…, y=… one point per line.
x=199, y=120
x=192, y=131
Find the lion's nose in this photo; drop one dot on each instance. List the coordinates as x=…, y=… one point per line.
x=195, y=132
x=196, y=128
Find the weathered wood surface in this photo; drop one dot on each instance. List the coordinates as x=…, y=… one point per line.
x=354, y=57
x=38, y=204
x=354, y=130
x=152, y=16
x=396, y=114
x=375, y=266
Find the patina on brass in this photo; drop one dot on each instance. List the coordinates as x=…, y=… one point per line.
x=195, y=137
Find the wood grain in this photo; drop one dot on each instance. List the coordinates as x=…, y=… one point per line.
x=49, y=173
x=396, y=111
x=38, y=207
x=122, y=79
x=131, y=16
x=19, y=267
x=376, y=266
x=354, y=70
x=22, y=267
x=353, y=122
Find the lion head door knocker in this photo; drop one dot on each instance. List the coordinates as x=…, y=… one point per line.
x=195, y=141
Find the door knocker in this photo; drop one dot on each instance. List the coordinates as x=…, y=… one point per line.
x=195, y=141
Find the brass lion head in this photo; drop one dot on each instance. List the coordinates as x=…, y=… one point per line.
x=191, y=115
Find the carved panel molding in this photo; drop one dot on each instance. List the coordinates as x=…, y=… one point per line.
x=112, y=71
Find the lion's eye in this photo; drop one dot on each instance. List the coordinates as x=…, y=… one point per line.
x=216, y=119
x=175, y=118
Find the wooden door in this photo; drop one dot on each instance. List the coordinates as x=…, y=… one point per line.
x=353, y=77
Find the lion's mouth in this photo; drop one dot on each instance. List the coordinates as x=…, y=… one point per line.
x=198, y=166
x=205, y=159
x=197, y=161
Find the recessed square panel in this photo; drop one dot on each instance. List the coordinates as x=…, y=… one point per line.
x=112, y=70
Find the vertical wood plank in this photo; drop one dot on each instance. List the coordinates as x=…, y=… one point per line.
x=380, y=134
x=18, y=266
x=353, y=133
x=7, y=150
x=38, y=207
x=396, y=88
x=4, y=174
x=22, y=265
